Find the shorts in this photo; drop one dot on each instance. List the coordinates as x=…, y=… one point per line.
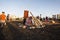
x=2, y=21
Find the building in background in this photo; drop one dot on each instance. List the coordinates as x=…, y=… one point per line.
x=58, y=16
x=54, y=16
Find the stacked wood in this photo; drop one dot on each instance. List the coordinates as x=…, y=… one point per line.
x=37, y=22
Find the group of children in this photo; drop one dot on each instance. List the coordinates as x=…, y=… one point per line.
x=28, y=22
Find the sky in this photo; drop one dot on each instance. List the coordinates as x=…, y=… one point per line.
x=37, y=7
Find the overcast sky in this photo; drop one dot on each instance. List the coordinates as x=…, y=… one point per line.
x=37, y=7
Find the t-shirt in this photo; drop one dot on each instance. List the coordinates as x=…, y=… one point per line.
x=28, y=21
x=0, y=17
x=3, y=17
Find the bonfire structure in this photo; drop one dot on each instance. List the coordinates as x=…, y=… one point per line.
x=37, y=22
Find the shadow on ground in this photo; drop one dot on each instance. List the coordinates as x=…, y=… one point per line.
x=50, y=32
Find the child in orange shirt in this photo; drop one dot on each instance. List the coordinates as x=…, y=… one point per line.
x=3, y=18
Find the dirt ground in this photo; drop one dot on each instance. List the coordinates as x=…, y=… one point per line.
x=12, y=32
